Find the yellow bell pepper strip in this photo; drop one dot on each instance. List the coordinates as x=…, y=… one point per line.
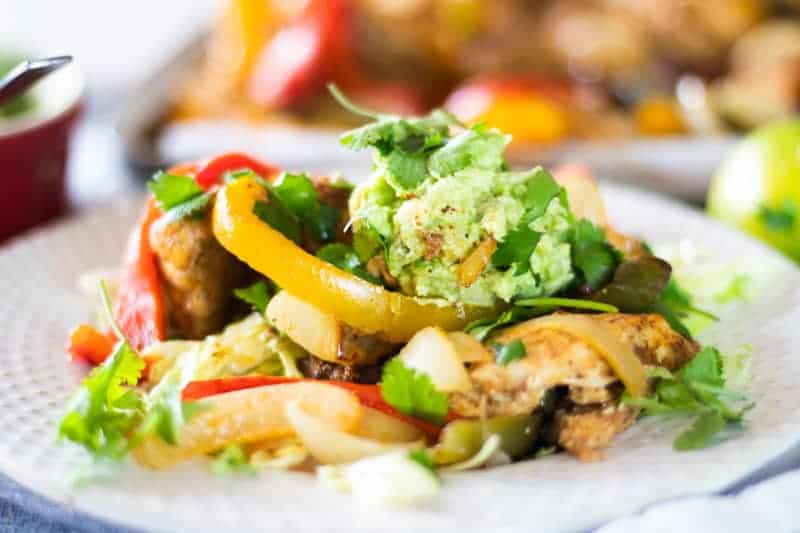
x=366, y=307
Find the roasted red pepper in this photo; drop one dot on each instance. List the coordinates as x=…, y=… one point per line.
x=209, y=173
x=303, y=56
x=368, y=395
x=88, y=344
x=139, y=308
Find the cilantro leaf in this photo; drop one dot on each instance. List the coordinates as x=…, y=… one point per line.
x=472, y=148
x=482, y=328
x=178, y=196
x=171, y=190
x=675, y=304
x=539, y=191
x=294, y=209
x=592, y=255
x=510, y=352
x=516, y=249
x=519, y=244
x=232, y=460
x=698, y=390
x=296, y=192
x=406, y=171
x=101, y=413
x=702, y=432
x=705, y=367
x=257, y=295
x=190, y=208
x=403, y=144
x=342, y=256
x=368, y=242
x=412, y=392
x=277, y=215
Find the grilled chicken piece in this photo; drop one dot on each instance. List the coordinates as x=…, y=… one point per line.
x=199, y=276
x=556, y=358
x=586, y=431
x=316, y=368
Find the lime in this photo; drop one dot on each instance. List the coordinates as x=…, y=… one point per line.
x=757, y=186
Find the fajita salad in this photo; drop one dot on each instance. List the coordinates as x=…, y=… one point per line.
x=447, y=313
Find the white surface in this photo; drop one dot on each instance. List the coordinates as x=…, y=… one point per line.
x=40, y=304
x=769, y=506
x=116, y=43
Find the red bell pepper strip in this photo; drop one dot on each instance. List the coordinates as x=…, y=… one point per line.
x=88, y=344
x=298, y=61
x=139, y=308
x=368, y=395
x=209, y=173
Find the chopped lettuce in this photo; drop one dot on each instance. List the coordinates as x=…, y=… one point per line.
x=232, y=460
x=249, y=346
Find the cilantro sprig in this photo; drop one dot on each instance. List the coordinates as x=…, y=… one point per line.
x=344, y=257
x=109, y=417
x=178, y=196
x=594, y=258
x=412, y=392
x=257, y=295
x=516, y=248
x=294, y=209
x=404, y=144
x=698, y=391
x=103, y=411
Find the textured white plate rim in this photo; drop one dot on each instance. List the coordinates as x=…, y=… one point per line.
x=43, y=482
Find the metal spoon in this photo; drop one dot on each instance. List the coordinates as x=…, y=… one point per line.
x=20, y=78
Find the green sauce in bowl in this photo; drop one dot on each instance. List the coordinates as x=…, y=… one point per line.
x=21, y=104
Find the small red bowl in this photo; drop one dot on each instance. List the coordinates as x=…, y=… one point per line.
x=33, y=153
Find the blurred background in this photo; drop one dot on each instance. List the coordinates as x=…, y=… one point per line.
x=656, y=93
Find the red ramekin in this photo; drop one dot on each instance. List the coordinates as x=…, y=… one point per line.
x=33, y=153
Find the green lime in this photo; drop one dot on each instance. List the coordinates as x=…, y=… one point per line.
x=757, y=186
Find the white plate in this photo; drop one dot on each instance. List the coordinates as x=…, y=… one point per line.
x=39, y=304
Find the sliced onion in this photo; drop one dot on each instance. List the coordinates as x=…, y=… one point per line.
x=330, y=445
x=599, y=335
x=251, y=415
x=382, y=427
x=430, y=351
x=585, y=200
x=469, y=349
x=490, y=447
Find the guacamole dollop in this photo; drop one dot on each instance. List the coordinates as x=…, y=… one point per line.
x=445, y=217
x=429, y=217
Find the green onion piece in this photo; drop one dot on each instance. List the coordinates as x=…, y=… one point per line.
x=572, y=303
